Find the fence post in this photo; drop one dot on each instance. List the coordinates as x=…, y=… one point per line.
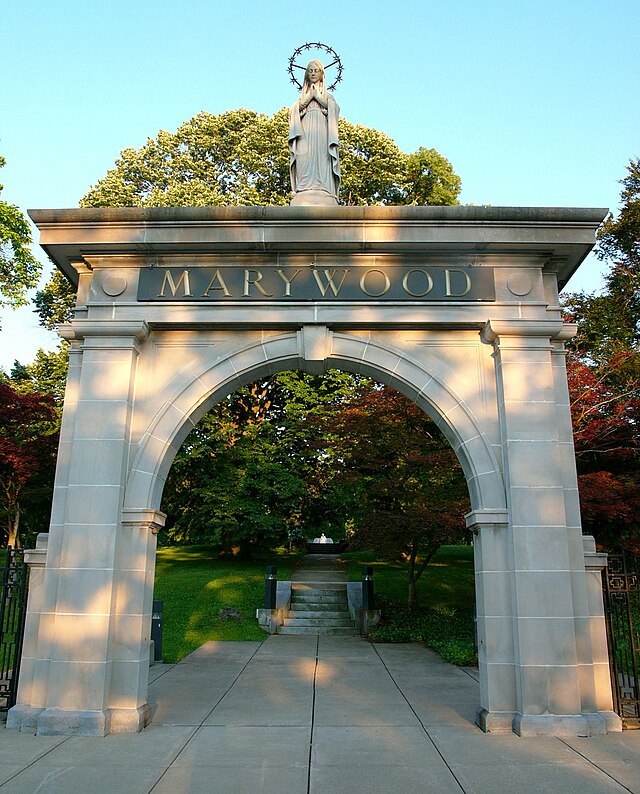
x=157, y=619
x=367, y=587
x=270, y=587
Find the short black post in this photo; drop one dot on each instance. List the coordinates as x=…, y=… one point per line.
x=367, y=587
x=270, y=587
x=156, y=629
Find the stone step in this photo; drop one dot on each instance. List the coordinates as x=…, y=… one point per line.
x=340, y=608
x=319, y=604
x=318, y=590
x=319, y=614
x=334, y=592
x=327, y=630
x=328, y=585
x=329, y=622
x=306, y=573
x=316, y=599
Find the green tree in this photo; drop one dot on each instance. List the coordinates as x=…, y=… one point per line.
x=610, y=320
x=241, y=158
x=247, y=475
x=46, y=374
x=19, y=269
x=55, y=303
x=230, y=488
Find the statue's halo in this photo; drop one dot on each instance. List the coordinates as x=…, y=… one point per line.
x=323, y=48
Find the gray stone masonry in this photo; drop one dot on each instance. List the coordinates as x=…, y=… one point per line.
x=455, y=307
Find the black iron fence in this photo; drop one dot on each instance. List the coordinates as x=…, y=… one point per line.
x=13, y=606
x=621, y=582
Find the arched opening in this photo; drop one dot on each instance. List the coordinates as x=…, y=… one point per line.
x=294, y=457
x=349, y=353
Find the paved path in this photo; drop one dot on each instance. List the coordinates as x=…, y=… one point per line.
x=320, y=715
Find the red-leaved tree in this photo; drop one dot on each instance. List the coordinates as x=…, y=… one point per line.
x=398, y=479
x=28, y=443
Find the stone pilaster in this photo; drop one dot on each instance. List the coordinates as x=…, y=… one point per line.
x=494, y=619
x=88, y=564
x=544, y=542
x=130, y=635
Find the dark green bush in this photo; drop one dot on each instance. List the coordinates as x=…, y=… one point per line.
x=447, y=630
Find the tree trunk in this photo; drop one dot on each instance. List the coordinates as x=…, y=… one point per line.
x=245, y=554
x=14, y=528
x=411, y=595
x=411, y=578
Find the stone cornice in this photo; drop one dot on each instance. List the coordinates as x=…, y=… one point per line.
x=136, y=330
x=548, y=329
x=563, y=235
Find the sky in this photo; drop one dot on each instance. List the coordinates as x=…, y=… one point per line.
x=534, y=102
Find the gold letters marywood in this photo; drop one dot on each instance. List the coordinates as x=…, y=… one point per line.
x=317, y=283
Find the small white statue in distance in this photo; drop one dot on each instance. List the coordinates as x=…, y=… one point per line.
x=323, y=539
x=313, y=142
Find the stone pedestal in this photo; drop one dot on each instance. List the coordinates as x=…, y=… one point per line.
x=313, y=198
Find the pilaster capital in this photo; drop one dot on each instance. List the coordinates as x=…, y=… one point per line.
x=135, y=330
x=497, y=518
x=495, y=332
x=143, y=518
x=36, y=558
x=495, y=329
x=593, y=560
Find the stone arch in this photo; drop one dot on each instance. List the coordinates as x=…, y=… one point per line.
x=541, y=634
x=315, y=349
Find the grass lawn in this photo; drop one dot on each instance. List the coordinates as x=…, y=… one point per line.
x=447, y=582
x=195, y=585
x=443, y=614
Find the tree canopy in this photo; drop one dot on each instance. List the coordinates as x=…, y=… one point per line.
x=19, y=269
x=604, y=380
x=395, y=478
x=292, y=453
x=241, y=158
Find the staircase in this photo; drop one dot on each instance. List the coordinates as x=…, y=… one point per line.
x=319, y=599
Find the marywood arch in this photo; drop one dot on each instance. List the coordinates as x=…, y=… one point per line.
x=350, y=352
x=481, y=353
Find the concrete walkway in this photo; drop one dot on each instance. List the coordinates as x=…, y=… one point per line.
x=327, y=715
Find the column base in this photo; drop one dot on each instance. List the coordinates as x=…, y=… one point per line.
x=23, y=718
x=596, y=723
x=590, y=724
x=130, y=720
x=66, y=722
x=495, y=721
x=69, y=722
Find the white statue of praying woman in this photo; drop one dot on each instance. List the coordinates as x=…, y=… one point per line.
x=313, y=142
